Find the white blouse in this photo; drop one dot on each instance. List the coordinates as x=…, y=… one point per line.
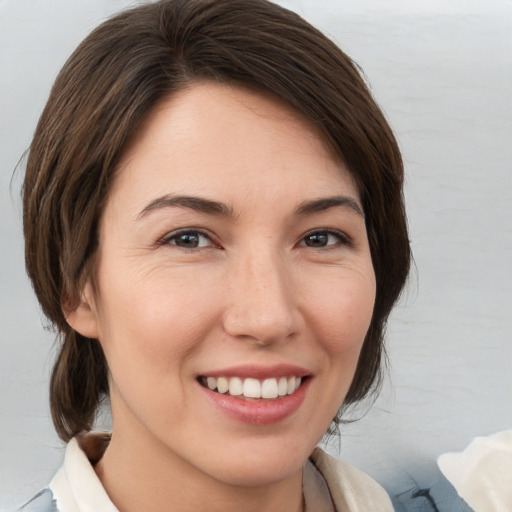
x=329, y=485
x=76, y=487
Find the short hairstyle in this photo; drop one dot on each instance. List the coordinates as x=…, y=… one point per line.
x=108, y=87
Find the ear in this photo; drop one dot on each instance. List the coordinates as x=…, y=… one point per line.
x=84, y=317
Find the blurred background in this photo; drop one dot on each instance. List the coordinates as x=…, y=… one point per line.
x=442, y=72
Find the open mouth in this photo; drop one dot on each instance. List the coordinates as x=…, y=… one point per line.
x=251, y=389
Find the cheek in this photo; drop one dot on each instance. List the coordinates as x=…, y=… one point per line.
x=342, y=310
x=155, y=318
x=343, y=314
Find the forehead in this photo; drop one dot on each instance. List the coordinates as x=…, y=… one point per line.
x=220, y=139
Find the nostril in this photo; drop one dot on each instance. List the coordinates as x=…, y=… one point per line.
x=262, y=305
x=262, y=327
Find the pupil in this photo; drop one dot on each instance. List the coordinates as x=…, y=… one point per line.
x=188, y=240
x=317, y=240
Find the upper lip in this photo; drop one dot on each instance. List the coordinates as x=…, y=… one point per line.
x=259, y=372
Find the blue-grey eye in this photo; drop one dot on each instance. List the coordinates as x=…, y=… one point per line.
x=320, y=239
x=189, y=240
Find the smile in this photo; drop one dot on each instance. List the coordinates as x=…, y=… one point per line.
x=250, y=388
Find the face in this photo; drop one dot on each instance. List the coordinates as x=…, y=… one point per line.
x=234, y=286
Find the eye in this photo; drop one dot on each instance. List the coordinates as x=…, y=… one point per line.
x=188, y=239
x=324, y=238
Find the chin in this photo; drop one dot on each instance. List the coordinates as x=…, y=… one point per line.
x=258, y=475
x=259, y=465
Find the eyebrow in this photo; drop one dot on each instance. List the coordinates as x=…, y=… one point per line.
x=198, y=204
x=325, y=203
x=211, y=207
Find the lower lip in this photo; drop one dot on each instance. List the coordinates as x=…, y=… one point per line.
x=260, y=412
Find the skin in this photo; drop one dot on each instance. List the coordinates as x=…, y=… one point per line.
x=255, y=291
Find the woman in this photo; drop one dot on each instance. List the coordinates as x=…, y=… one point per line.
x=214, y=223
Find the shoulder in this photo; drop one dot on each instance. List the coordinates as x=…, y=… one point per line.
x=42, y=502
x=350, y=488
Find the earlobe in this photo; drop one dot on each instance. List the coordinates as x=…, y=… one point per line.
x=84, y=318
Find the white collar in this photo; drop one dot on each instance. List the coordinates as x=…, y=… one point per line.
x=76, y=487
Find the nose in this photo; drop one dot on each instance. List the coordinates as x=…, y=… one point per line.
x=262, y=303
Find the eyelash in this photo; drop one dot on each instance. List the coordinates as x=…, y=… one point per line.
x=167, y=239
x=342, y=238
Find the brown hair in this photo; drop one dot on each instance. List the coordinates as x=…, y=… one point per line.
x=105, y=90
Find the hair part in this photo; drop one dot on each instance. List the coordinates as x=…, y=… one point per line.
x=107, y=88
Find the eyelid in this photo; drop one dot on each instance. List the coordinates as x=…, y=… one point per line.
x=342, y=236
x=166, y=239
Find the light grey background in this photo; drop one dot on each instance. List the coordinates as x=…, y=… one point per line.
x=442, y=71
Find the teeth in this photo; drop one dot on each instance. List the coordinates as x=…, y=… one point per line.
x=235, y=386
x=211, y=382
x=253, y=388
x=282, y=388
x=291, y=385
x=222, y=385
x=269, y=389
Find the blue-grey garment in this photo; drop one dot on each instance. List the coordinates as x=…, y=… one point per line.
x=316, y=495
x=42, y=502
x=442, y=497
x=439, y=497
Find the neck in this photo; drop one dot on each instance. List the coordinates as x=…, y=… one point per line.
x=139, y=473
